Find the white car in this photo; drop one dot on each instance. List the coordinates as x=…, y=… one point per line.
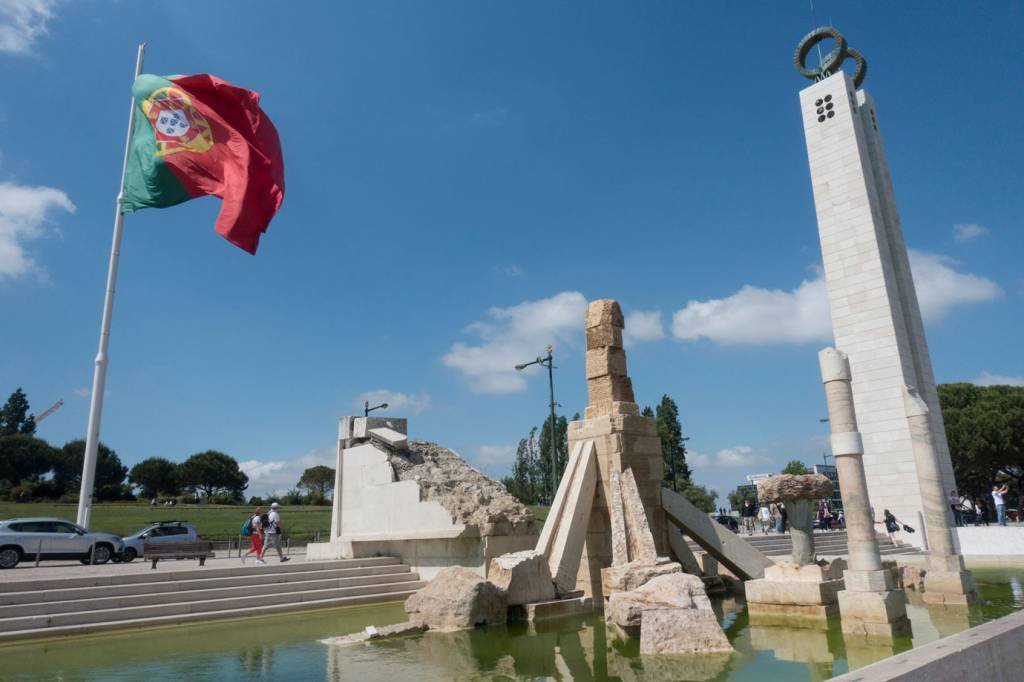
x=52, y=538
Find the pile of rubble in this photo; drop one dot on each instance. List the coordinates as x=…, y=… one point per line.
x=471, y=497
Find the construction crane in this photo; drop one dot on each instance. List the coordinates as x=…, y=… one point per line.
x=48, y=411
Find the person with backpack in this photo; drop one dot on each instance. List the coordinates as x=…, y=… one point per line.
x=272, y=532
x=253, y=529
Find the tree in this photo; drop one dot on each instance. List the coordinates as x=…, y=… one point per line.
x=795, y=466
x=701, y=497
x=155, y=476
x=68, y=461
x=548, y=478
x=24, y=458
x=673, y=448
x=522, y=483
x=213, y=472
x=985, y=431
x=14, y=416
x=740, y=495
x=318, y=479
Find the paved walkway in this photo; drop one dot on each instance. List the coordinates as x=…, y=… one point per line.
x=74, y=569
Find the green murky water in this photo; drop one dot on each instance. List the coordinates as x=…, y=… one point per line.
x=287, y=647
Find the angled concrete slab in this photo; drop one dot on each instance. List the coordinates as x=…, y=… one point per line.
x=729, y=549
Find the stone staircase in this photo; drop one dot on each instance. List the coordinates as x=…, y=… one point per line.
x=827, y=543
x=63, y=606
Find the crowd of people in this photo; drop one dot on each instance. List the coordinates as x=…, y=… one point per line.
x=773, y=517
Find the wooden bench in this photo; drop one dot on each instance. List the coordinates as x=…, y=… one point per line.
x=155, y=551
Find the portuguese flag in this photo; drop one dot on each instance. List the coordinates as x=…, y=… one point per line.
x=199, y=135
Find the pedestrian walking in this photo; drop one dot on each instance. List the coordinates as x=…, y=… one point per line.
x=892, y=526
x=766, y=520
x=272, y=531
x=255, y=527
x=783, y=517
x=997, y=499
x=955, y=504
x=748, y=512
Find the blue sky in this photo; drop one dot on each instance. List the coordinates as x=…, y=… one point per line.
x=462, y=178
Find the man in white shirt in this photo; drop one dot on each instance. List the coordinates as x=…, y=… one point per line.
x=272, y=532
x=997, y=498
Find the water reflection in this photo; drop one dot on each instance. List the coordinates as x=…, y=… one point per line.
x=287, y=647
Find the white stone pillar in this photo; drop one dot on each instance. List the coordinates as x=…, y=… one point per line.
x=344, y=434
x=869, y=604
x=946, y=581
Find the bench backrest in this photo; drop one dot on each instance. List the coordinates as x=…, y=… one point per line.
x=151, y=549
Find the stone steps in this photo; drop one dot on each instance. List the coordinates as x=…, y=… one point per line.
x=36, y=608
x=827, y=543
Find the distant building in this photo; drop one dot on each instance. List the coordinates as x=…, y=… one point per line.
x=835, y=502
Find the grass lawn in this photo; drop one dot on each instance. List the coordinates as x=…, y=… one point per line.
x=540, y=512
x=214, y=522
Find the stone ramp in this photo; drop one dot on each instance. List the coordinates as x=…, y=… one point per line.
x=732, y=551
x=65, y=606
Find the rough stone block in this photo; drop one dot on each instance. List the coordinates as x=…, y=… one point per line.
x=792, y=615
x=681, y=631
x=949, y=587
x=873, y=631
x=633, y=575
x=524, y=576
x=604, y=312
x=675, y=590
x=873, y=607
x=638, y=531
x=816, y=572
x=559, y=608
x=455, y=599
x=371, y=632
x=625, y=409
x=604, y=361
x=603, y=391
x=620, y=544
x=604, y=337
x=797, y=592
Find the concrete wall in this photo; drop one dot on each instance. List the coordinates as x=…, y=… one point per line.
x=993, y=652
x=374, y=504
x=876, y=319
x=990, y=541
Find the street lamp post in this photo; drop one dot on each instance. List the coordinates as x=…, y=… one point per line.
x=367, y=409
x=547, y=362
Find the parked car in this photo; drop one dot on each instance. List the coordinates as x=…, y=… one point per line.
x=160, y=531
x=52, y=538
x=729, y=522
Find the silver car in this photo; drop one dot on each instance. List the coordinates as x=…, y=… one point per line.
x=51, y=538
x=161, y=531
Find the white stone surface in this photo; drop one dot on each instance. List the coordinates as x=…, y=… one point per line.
x=389, y=437
x=876, y=319
x=990, y=541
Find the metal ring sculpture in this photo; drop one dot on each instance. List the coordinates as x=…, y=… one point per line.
x=833, y=60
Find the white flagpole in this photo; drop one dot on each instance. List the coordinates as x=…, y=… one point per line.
x=99, y=377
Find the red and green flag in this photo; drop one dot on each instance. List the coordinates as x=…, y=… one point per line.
x=199, y=135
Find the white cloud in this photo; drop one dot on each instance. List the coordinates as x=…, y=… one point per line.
x=495, y=457
x=83, y=392
x=940, y=288
x=23, y=212
x=275, y=477
x=643, y=325
x=988, y=379
x=968, y=231
x=22, y=22
x=514, y=335
x=758, y=316
x=731, y=458
x=398, y=403
x=754, y=316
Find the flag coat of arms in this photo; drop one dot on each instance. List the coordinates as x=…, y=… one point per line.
x=199, y=135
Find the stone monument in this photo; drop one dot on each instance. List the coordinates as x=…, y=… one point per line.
x=870, y=604
x=876, y=318
x=801, y=591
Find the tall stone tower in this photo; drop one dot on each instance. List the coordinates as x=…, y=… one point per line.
x=876, y=319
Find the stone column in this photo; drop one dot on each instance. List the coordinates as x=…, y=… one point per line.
x=800, y=514
x=947, y=581
x=869, y=604
x=344, y=433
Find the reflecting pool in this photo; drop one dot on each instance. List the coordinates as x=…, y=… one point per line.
x=287, y=647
